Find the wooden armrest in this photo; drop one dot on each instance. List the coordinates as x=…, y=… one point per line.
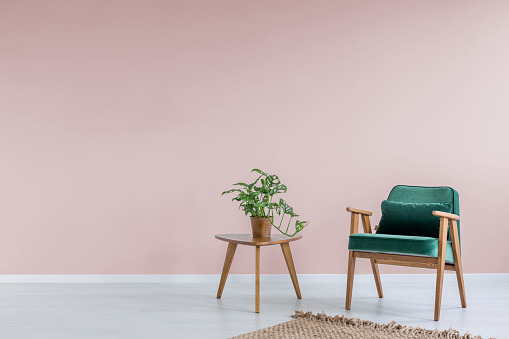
x=446, y=215
x=354, y=210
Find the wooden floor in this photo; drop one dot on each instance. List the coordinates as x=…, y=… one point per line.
x=191, y=310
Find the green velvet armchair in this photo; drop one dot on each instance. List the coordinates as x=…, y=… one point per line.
x=419, y=228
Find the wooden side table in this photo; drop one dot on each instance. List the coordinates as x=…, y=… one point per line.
x=247, y=239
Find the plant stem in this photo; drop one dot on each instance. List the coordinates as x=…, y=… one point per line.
x=285, y=233
x=289, y=221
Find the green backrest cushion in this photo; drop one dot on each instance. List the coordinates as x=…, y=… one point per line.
x=424, y=195
x=407, y=218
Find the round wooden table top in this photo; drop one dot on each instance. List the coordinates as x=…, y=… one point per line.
x=247, y=239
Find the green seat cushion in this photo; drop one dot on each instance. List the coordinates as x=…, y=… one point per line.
x=398, y=244
x=417, y=219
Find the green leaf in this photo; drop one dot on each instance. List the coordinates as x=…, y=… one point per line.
x=230, y=191
x=278, y=189
x=299, y=225
x=287, y=209
x=275, y=179
x=258, y=171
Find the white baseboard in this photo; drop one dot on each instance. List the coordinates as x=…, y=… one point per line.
x=158, y=278
x=213, y=278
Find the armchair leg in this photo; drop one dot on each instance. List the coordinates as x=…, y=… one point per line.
x=366, y=224
x=442, y=240
x=461, y=286
x=457, y=261
x=349, y=282
x=438, y=295
x=378, y=282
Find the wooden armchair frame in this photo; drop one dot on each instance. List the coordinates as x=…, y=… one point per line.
x=447, y=220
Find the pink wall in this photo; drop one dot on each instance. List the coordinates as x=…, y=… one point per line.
x=121, y=123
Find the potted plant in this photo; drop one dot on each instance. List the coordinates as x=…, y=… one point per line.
x=257, y=202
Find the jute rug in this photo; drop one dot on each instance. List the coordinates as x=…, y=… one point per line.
x=308, y=325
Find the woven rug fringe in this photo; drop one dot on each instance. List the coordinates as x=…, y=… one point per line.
x=390, y=327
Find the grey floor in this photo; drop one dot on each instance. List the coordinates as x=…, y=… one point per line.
x=190, y=310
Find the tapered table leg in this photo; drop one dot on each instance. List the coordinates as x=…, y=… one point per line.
x=291, y=268
x=257, y=304
x=247, y=239
x=230, y=252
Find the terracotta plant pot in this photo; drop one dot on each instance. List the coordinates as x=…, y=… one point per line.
x=261, y=227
